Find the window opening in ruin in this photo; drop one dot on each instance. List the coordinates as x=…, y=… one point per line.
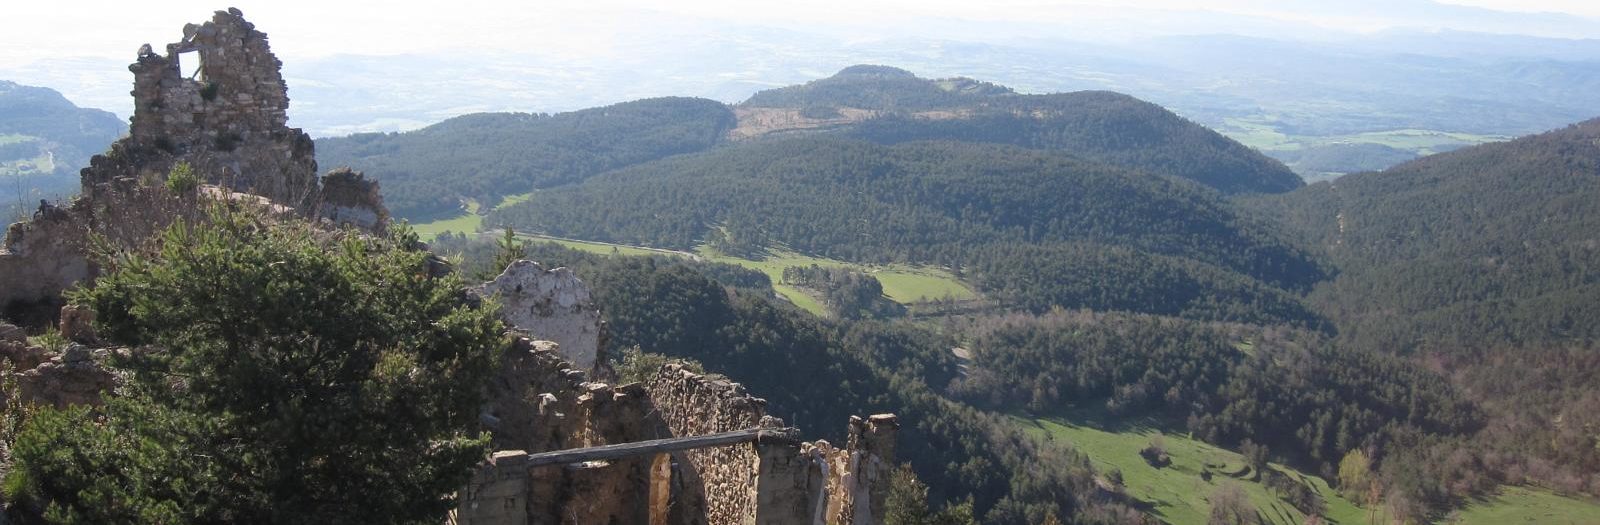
x=189, y=65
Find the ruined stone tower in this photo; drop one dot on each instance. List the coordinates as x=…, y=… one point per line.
x=228, y=121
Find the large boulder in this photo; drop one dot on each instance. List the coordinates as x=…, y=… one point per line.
x=551, y=305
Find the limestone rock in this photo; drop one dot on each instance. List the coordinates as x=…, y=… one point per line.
x=348, y=197
x=72, y=378
x=552, y=305
x=19, y=356
x=12, y=334
x=77, y=324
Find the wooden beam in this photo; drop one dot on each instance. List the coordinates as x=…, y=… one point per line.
x=656, y=446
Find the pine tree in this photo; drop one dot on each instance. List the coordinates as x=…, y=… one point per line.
x=285, y=375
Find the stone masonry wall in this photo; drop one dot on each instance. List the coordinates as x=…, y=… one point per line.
x=540, y=403
x=230, y=121
x=38, y=260
x=691, y=404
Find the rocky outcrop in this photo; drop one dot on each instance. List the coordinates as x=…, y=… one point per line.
x=552, y=305
x=15, y=351
x=228, y=122
x=349, y=198
x=74, y=377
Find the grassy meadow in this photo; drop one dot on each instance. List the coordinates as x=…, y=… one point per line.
x=1177, y=493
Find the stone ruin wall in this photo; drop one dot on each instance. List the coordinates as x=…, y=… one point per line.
x=38, y=260
x=541, y=403
x=229, y=123
x=691, y=404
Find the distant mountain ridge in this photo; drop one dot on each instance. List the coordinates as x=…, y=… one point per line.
x=484, y=157
x=1104, y=126
x=44, y=113
x=44, y=140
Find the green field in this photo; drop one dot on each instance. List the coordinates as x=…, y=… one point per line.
x=1258, y=135
x=1176, y=493
x=39, y=165
x=1261, y=133
x=1525, y=505
x=602, y=248
x=1422, y=141
x=901, y=283
x=468, y=221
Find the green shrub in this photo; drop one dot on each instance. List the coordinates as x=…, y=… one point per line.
x=296, y=376
x=182, y=179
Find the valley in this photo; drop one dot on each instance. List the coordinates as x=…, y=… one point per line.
x=904, y=284
x=1170, y=291
x=1183, y=279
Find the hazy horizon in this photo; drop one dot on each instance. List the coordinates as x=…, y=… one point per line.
x=497, y=56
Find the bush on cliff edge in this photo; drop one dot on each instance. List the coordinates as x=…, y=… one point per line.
x=286, y=375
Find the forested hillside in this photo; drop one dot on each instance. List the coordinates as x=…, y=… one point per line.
x=1034, y=228
x=815, y=373
x=483, y=157
x=1480, y=263
x=1481, y=247
x=44, y=141
x=1418, y=337
x=1230, y=384
x=1108, y=127
x=1275, y=393
x=427, y=172
x=74, y=133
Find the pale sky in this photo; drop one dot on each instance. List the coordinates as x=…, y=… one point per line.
x=35, y=30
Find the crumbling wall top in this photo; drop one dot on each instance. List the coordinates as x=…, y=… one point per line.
x=229, y=120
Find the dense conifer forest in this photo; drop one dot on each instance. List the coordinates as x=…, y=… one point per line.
x=484, y=157
x=1479, y=264
x=1036, y=229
